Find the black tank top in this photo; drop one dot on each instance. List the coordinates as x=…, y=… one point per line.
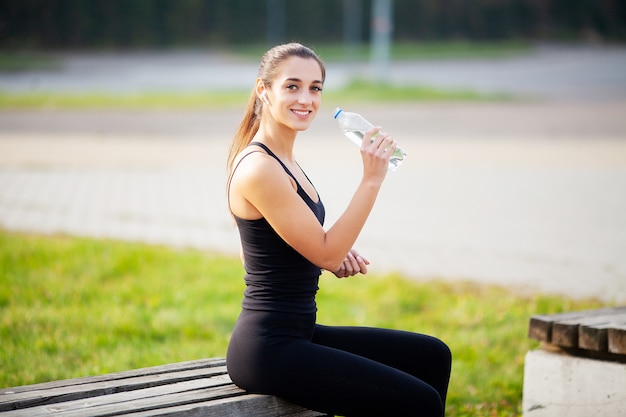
x=277, y=277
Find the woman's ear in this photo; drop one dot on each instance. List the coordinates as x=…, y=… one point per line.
x=261, y=91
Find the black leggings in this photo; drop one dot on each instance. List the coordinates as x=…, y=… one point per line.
x=353, y=371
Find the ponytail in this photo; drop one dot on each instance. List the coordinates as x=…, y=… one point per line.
x=248, y=127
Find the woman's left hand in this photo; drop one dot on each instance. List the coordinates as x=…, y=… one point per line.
x=352, y=265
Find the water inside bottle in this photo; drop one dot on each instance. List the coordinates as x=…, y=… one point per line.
x=397, y=157
x=355, y=136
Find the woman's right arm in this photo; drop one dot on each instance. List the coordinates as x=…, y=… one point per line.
x=375, y=157
x=263, y=185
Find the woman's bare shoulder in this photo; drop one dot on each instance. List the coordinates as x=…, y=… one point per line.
x=253, y=165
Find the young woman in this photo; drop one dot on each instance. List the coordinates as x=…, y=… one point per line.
x=277, y=347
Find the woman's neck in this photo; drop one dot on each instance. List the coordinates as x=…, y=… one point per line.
x=279, y=139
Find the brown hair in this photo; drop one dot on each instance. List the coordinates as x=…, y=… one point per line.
x=268, y=69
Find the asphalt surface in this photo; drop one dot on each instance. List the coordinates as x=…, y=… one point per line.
x=527, y=194
x=554, y=72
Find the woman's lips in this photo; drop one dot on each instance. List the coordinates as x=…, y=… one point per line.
x=301, y=113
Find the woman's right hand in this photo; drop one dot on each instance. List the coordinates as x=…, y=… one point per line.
x=377, y=152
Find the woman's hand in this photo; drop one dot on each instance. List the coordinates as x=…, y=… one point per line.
x=352, y=265
x=376, y=150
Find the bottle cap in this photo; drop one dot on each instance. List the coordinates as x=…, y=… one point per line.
x=337, y=111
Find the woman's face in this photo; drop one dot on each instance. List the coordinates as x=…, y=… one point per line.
x=296, y=93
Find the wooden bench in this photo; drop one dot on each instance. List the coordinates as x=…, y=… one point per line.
x=194, y=388
x=599, y=334
x=580, y=368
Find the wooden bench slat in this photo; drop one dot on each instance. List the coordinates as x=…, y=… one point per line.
x=595, y=336
x=617, y=339
x=152, y=370
x=248, y=405
x=542, y=327
x=85, y=389
x=138, y=400
x=193, y=388
x=565, y=333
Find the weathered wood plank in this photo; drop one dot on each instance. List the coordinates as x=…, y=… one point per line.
x=152, y=370
x=595, y=336
x=193, y=388
x=541, y=327
x=249, y=405
x=617, y=339
x=86, y=389
x=565, y=333
x=187, y=392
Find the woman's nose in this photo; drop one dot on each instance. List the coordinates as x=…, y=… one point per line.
x=305, y=97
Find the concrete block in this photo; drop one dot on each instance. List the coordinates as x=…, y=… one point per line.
x=558, y=385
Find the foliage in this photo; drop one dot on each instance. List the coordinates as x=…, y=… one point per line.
x=71, y=24
x=21, y=61
x=72, y=307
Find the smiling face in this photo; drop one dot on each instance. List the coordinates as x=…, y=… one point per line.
x=295, y=94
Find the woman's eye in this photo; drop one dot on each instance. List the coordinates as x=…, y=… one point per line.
x=292, y=87
x=316, y=88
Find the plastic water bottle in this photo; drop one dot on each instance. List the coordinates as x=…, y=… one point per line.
x=354, y=126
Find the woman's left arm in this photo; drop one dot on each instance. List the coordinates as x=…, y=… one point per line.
x=352, y=265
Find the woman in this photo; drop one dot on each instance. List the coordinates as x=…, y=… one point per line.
x=277, y=347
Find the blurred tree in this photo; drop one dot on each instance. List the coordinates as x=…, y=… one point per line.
x=62, y=24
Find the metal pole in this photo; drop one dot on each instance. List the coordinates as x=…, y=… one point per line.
x=276, y=19
x=352, y=28
x=382, y=28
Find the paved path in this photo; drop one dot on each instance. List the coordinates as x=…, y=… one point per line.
x=547, y=71
x=491, y=197
x=527, y=195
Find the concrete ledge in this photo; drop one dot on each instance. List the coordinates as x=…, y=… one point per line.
x=557, y=384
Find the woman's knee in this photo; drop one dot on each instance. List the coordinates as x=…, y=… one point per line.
x=444, y=352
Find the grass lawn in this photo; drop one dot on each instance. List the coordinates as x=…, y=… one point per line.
x=72, y=307
x=25, y=60
x=359, y=91
x=356, y=91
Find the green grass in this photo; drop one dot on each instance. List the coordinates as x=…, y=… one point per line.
x=357, y=91
x=15, y=61
x=362, y=91
x=27, y=61
x=72, y=307
x=138, y=101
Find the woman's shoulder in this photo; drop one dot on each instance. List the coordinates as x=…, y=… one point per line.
x=256, y=167
x=258, y=185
